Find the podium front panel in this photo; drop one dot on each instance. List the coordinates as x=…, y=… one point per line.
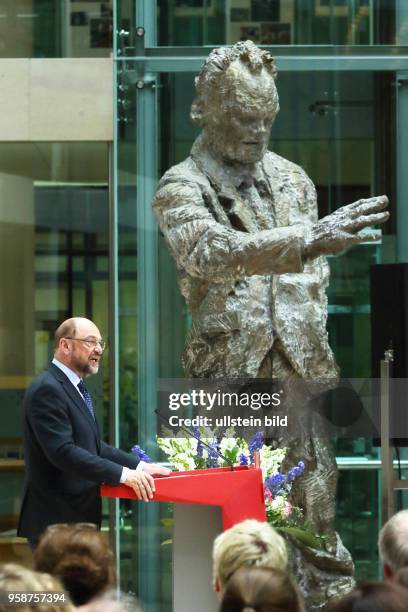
x=195, y=527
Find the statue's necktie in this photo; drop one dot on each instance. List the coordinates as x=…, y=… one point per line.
x=87, y=397
x=260, y=201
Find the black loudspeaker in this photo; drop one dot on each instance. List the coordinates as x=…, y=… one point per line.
x=389, y=317
x=389, y=330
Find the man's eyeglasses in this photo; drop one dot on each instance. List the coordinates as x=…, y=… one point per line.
x=91, y=344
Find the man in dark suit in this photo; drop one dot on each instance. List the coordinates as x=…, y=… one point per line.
x=66, y=460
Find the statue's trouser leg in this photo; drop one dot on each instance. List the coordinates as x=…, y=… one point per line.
x=323, y=574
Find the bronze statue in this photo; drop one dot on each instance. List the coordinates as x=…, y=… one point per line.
x=241, y=223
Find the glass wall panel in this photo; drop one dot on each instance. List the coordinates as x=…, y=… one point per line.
x=145, y=565
x=358, y=517
x=56, y=28
x=339, y=127
x=277, y=22
x=53, y=252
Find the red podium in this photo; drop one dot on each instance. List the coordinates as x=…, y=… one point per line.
x=206, y=503
x=239, y=492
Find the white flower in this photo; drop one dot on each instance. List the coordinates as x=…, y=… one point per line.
x=172, y=446
x=227, y=444
x=282, y=505
x=271, y=460
x=278, y=503
x=243, y=446
x=183, y=461
x=230, y=433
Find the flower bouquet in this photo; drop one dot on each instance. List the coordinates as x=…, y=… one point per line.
x=209, y=450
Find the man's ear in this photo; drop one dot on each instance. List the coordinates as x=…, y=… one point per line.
x=388, y=573
x=216, y=585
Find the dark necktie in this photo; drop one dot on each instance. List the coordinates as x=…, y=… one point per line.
x=87, y=397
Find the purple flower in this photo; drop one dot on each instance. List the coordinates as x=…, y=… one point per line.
x=141, y=454
x=292, y=474
x=256, y=442
x=213, y=462
x=243, y=459
x=196, y=432
x=212, y=454
x=275, y=481
x=200, y=447
x=296, y=471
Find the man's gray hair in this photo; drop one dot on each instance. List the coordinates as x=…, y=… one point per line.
x=393, y=541
x=219, y=61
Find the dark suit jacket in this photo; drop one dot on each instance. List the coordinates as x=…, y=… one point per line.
x=66, y=460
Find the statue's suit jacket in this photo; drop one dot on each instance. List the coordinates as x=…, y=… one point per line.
x=65, y=458
x=244, y=281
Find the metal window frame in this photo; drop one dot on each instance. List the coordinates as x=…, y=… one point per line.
x=147, y=60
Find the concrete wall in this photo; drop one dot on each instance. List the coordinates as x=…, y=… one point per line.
x=59, y=100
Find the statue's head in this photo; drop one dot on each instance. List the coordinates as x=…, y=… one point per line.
x=237, y=101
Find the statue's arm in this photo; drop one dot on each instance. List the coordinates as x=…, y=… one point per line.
x=207, y=249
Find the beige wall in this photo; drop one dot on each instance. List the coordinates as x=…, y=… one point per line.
x=59, y=100
x=16, y=28
x=16, y=276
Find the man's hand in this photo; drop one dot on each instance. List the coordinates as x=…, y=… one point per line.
x=155, y=469
x=341, y=230
x=142, y=482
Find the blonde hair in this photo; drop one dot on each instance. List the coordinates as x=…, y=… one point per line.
x=14, y=577
x=247, y=544
x=392, y=541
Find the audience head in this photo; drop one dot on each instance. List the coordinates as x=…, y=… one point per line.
x=79, y=555
x=112, y=601
x=247, y=544
x=401, y=577
x=260, y=589
x=393, y=544
x=374, y=597
x=13, y=577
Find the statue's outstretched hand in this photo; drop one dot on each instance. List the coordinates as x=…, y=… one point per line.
x=342, y=229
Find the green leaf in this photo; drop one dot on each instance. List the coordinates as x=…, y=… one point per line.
x=232, y=454
x=167, y=522
x=167, y=542
x=306, y=537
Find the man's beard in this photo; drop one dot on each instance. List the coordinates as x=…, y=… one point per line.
x=85, y=369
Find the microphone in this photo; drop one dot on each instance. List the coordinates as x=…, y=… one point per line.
x=193, y=435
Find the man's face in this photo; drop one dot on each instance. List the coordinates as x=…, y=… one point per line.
x=84, y=357
x=239, y=116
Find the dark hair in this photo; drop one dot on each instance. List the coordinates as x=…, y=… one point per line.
x=374, y=597
x=261, y=589
x=79, y=555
